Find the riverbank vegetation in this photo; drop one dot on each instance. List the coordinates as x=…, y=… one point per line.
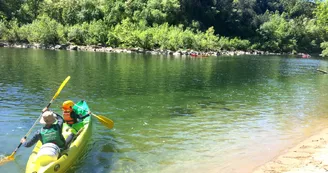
x=289, y=26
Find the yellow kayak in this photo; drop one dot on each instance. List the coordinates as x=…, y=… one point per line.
x=66, y=158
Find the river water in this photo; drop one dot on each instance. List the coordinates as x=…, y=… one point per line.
x=172, y=114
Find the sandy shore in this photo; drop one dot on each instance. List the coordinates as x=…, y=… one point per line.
x=310, y=156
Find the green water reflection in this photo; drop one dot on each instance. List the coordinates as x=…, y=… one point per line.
x=171, y=114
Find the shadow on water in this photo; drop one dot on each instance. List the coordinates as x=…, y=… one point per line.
x=219, y=105
x=179, y=111
x=202, y=106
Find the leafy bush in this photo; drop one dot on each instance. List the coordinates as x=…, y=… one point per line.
x=146, y=40
x=97, y=33
x=233, y=44
x=160, y=35
x=11, y=31
x=239, y=44
x=112, y=39
x=76, y=34
x=324, y=46
x=188, y=39
x=127, y=34
x=23, y=33
x=3, y=29
x=45, y=30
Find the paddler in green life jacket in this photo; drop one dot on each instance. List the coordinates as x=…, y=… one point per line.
x=71, y=119
x=50, y=133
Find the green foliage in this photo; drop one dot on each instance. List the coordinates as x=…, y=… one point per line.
x=270, y=25
x=174, y=38
x=308, y=35
x=89, y=12
x=161, y=11
x=239, y=44
x=210, y=40
x=45, y=30
x=114, y=12
x=206, y=40
x=112, y=39
x=76, y=34
x=224, y=43
x=146, y=40
x=3, y=29
x=324, y=46
x=70, y=10
x=188, y=39
x=10, y=31
x=321, y=13
x=29, y=11
x=233, y=44
x=127, y=33
x=160, y=35
x=53, y=9
x=277, y=34
x=97, y=33
x=298, y=8
x=24, y=33
x=9, y=9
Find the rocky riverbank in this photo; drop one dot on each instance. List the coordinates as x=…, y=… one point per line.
x=137, y=50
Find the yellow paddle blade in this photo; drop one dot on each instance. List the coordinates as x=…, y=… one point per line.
x=7, y=159
x=61, y=87
x=105, y=121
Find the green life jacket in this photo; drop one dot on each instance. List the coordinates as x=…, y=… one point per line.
x=76, y=126
x=52, y=135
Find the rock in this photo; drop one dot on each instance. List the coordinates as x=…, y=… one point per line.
x=60, y=46
x=72, y=47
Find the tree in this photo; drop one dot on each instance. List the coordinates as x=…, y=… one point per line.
x=9, y=8
x=276, y=34
x=29, y=10
x=321, y=14
x=298, y=8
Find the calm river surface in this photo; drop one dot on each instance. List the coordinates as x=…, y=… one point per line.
x=215, y=114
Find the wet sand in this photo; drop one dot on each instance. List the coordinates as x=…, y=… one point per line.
x=309, y=156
